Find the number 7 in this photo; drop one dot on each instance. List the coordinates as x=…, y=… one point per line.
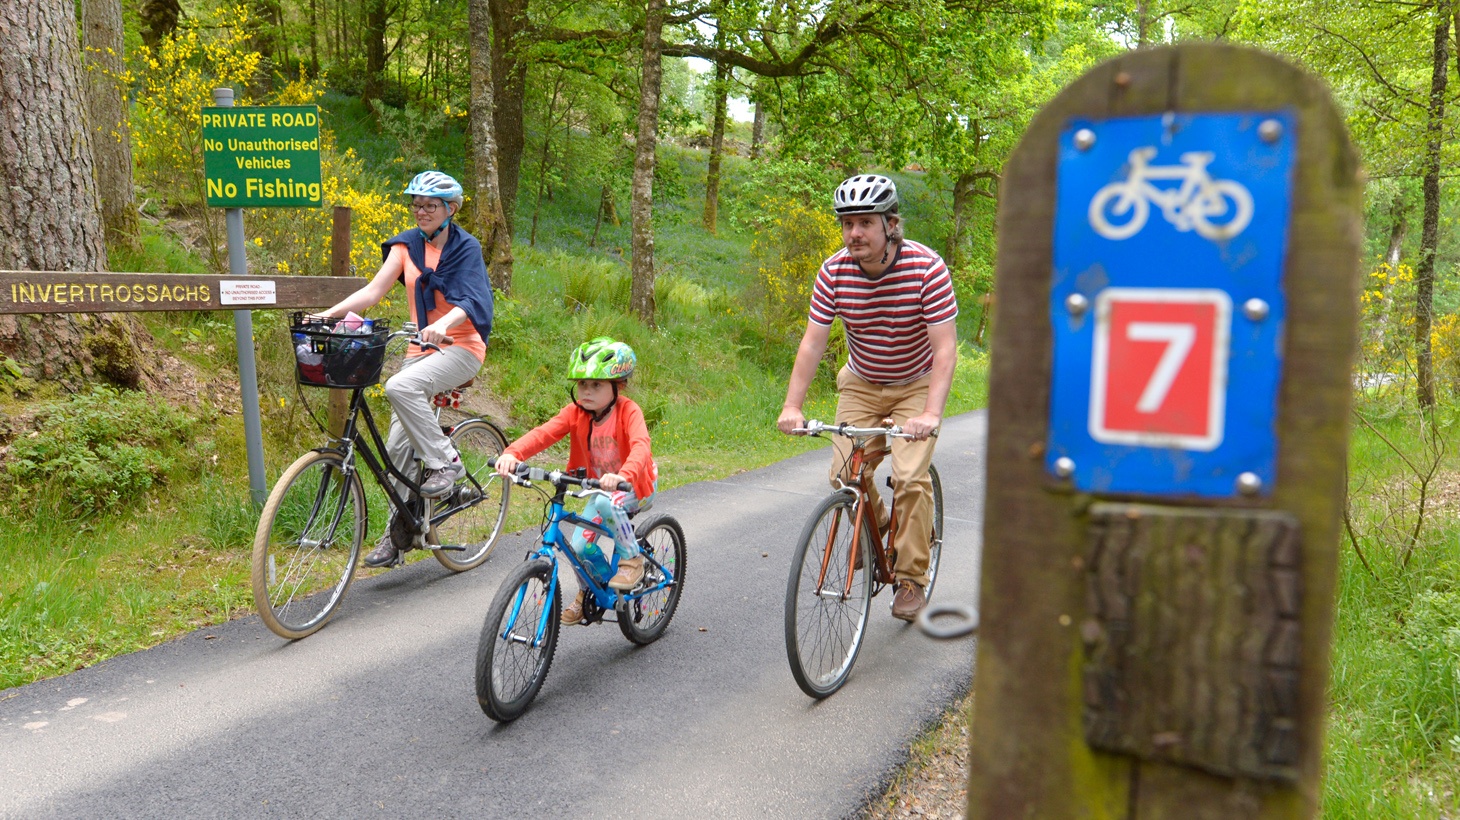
x=1179, y=338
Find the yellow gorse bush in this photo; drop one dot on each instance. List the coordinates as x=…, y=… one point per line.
x=792, y=242
x=174, y=81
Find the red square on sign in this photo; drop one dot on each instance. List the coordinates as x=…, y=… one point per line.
x=1158, y=373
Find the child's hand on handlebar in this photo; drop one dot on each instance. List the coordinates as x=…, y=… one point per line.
x=507, y=465
x=610, y=481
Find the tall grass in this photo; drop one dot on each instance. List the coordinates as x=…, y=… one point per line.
x=1393, y=745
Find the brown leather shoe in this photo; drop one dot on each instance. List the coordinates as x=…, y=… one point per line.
x=574, y=613
x=630, y=573
x=908, y=601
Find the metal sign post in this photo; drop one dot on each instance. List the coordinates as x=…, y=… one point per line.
x=275, y=166
x=1178, y=283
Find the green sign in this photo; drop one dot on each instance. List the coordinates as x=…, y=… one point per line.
x=264, y=156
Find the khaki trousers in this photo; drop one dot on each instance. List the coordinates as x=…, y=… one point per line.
x=864, y=404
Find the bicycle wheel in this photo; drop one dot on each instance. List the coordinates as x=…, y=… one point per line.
x=307, y=544
x=935, y=544
x=476, y=527
x=826, y=616
x=645, y=618
x=518, y=639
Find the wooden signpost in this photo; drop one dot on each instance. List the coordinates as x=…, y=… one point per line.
x=1178, y=286
x=60, y=292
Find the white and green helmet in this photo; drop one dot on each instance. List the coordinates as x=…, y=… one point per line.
x=602, y=358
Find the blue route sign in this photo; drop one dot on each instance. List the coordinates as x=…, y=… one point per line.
x=1167, y=302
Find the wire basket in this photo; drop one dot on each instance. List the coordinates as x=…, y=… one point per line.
x=328, y=356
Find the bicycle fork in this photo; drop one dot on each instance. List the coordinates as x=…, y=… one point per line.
x=542, y=624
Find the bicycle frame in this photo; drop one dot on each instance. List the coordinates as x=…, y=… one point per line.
x=354, y=443
x=862, y=521
x=554, y=542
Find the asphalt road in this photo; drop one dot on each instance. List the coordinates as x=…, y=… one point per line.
x=376, y=714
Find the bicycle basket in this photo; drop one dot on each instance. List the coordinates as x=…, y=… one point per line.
x=324, y=357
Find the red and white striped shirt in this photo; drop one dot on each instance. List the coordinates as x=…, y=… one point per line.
x=886, y=318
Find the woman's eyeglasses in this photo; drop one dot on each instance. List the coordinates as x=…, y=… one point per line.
x=425, y=208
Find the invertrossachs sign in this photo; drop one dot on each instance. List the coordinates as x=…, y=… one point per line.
x=64, y=292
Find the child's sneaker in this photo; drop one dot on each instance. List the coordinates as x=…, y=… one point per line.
x=630, y=573
x=574, y=613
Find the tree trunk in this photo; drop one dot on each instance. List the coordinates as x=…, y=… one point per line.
x=376, y=20
x=717, y=147
x=1398, y=229
x=962, y=190
x=51, y=213
x=757, y=131
x=610, y=209
x=641, y=295
x=101, y=39
x=509, y=81
x=491, y=226
x=159, y=20
x=1424, y=274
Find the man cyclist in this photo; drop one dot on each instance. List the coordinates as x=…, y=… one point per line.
x=895, y=299
x=449, y=297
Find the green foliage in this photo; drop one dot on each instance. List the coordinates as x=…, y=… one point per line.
x=95, y=452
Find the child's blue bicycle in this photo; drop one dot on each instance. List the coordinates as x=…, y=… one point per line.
x=521, y=629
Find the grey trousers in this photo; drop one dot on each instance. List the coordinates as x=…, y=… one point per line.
x=414, y=432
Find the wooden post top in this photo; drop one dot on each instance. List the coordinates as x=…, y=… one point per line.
x=1082, y=585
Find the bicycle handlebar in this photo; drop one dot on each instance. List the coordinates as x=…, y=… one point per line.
x=816, y=428
x=526, y=474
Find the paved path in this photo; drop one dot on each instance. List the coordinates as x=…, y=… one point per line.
x=376, y=715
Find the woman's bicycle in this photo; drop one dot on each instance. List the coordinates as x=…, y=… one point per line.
x=520, y=632
x=314, y=522
x=832, y=581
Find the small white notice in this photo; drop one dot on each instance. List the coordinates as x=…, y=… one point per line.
x=246, y=292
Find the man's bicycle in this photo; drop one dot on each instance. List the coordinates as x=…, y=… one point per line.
x=314, y=522
x=520, y=632
x=832, y=580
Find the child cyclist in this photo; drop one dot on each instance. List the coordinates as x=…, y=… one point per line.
x=449, y=296
x=607, y=435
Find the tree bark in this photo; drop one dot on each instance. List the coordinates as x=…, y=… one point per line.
x=51, y=213
x=641, y=294
x=509, y=81
x=757, y=132
x=376, y=18
x=1424, y=274
x=717, y=148
x=490, y=224
x=101, y=39
x=159, y=20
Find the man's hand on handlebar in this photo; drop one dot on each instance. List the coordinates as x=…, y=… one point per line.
x=922, y=426
x=791, y=419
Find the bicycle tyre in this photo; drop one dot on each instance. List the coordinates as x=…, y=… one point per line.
x=645, y=618
x=935, y=544
x=476, y=528
x=313, y=523
x=824, y=635
x=509, y=670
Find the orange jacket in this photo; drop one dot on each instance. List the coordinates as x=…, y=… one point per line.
x=572, y=421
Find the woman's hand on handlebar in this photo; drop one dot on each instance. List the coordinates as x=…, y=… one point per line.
x=507, y=465
x=431, y=334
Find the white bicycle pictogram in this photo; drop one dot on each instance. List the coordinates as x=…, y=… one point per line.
x=1216, y=209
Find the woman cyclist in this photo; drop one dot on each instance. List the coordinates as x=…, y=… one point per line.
x=449, y=297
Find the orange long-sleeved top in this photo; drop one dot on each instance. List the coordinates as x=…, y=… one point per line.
x=630, y=431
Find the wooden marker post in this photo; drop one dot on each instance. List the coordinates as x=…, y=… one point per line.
x=340, y=241
x=1178, y=288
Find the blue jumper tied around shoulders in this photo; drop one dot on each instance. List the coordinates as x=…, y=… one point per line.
x=460, y=276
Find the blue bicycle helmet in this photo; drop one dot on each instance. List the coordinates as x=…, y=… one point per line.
x=440, y=186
